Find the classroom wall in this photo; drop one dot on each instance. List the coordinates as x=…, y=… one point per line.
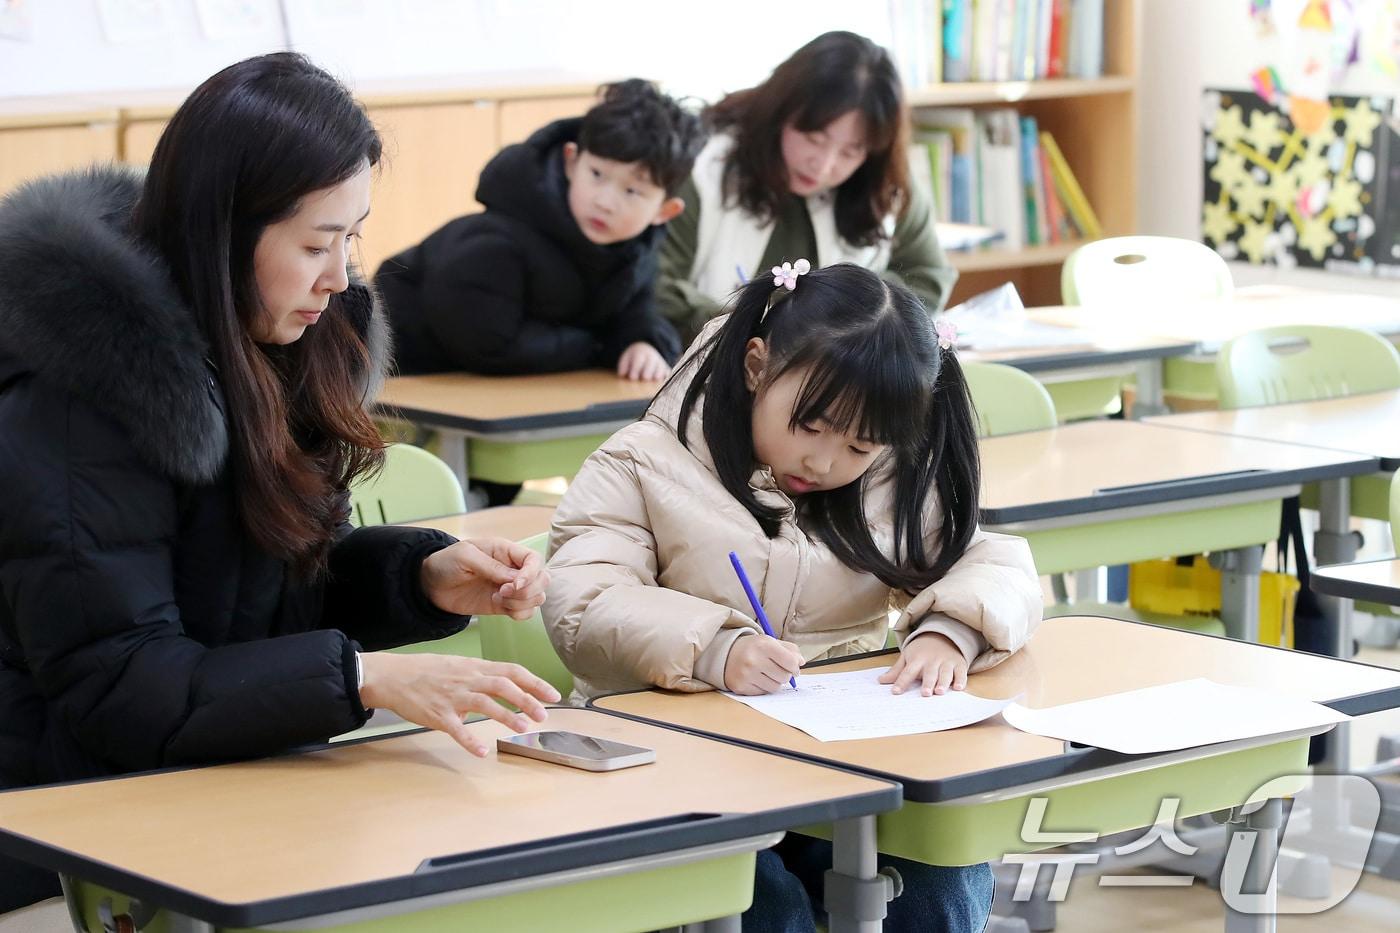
x=1189, y=45
x=65, y=48
x=85, y=46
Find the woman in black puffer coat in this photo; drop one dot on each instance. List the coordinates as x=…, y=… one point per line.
x=184, y=368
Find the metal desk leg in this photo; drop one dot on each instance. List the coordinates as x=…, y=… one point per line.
x=1334, y=543
x=453, y=452
x=1253, y=885
x=1149, y=399
x=70, y=898
x=855, y=892
x=1239, y=590
x=1088, y=585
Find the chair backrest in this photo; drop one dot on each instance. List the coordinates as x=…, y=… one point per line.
x=414, y=484
x=525, y=643
x=1135, y=270
x=1302, y=363
x=1007, y=399
x=1395, y=507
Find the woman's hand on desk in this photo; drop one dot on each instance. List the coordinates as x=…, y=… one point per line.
x=438, y=691
x=641, y=361
x=932, y=660
x=485, y=576
x=758, y=664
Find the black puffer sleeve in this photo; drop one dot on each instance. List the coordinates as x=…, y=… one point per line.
x=373, y=592
x=86, y=531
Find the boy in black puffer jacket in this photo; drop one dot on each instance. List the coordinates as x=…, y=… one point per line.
x=557, y=273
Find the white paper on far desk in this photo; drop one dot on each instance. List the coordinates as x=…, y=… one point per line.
x=853, y=705
x=1172, y=716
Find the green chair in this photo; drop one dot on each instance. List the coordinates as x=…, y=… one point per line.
x=1007, y=400
x=413, y=484
x=1395, y=504
x=525, y=642
x=1304, y=363
x=1136, y=273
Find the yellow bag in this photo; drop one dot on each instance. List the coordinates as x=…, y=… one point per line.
x=1194, y=590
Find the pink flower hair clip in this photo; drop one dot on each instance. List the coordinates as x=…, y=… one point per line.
x=947, y=333
x=785, y=276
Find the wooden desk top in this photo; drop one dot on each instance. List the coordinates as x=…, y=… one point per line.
x=1096, y=348
x=1069, y=659
x=1214, y=321
x=1091, y=466
x=353, y=825
x=1368, y=424
x=1374, y=580
x=499, y=404
x=516, y=522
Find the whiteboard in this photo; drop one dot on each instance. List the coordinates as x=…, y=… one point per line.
x=733, y=44
x=77, y=47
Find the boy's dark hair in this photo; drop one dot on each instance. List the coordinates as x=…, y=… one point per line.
x=834, y=74
x=874, y=368
x=635, y=122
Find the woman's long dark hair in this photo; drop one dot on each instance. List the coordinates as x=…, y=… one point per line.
x=240, y=154
x=835, y=73
x=872, y=366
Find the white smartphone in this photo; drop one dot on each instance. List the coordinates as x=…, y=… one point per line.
x=576, y=750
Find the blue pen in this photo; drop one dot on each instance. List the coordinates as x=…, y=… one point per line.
x=753, y=601
x=743, y=280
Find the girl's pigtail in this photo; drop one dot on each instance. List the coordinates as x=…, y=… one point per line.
x=727, y=418
x=953, y=462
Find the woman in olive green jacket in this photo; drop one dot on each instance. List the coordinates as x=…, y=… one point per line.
x=813, y=162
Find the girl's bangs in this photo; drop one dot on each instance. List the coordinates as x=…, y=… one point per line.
x=866, y=392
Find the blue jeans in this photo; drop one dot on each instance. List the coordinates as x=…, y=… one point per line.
x=787, y=895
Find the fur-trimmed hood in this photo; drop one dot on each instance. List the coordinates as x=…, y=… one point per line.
x=90, y=309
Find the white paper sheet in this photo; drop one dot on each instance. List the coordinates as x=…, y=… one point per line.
x=1172, y=716
x=853, y=705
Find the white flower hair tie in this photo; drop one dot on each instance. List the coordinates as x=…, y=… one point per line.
x=947, y=333
x=785, y=276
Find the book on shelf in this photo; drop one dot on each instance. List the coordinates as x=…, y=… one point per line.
x=940, y=41
x=1078, y=207
x=955, y=237
x=912, y=22
x=996, y=169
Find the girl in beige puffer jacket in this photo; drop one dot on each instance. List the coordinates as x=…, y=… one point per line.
x=824, y=435
x=823, y=432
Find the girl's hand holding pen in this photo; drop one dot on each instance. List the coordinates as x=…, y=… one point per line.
x=758, y=665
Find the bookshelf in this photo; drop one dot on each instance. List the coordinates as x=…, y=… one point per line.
x=1002, y=93
x=993, y=260
x=1095, y=122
